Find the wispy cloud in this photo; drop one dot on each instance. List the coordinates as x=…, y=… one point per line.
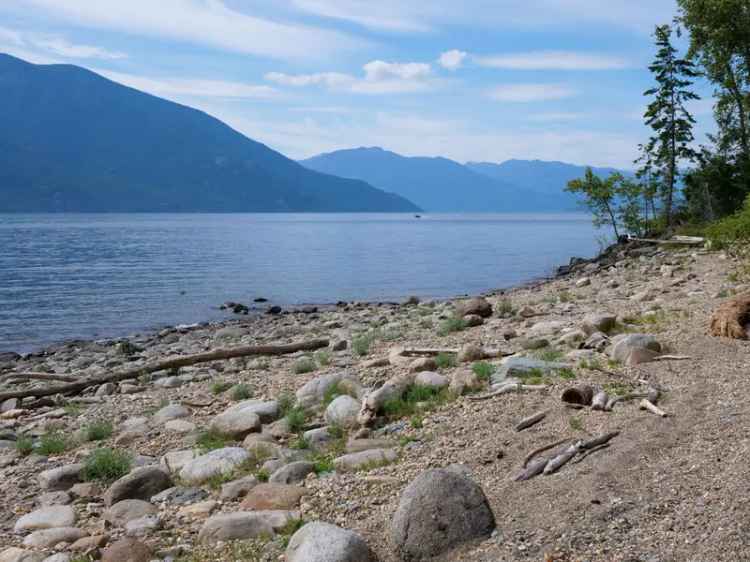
x=55, y=45
x=204, y=22
x=375, y=15
x=555, y=117
x=452, y=60
x=191, y=87
x=527, y=93
x=380, y=77
x=553, y=60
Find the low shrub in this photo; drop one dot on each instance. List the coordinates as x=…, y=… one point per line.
x=483, y=370
x=452, y=325
x=53, y=443
x=98, y=430
x=106, y=465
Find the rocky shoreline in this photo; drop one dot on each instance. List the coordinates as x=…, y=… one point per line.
x=398, y=440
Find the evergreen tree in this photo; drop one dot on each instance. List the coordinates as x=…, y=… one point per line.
x=668, y=117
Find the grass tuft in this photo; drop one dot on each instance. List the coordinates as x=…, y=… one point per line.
x=446, y=360
x=241, y=392
x=452, y=325
x=106, y=465
x=53, y=443
x=98, y=430
x=483, y=370
x=210, y=439
x=304, y=365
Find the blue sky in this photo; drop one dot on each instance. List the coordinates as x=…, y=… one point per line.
x=482, y=80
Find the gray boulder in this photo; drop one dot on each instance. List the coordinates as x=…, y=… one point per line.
x=322, y=542
x=632, y=349
x=219, y=461
x=343, y=411
x=477, y=306
x=61, y=478
x=126, y=510
x=438, y=511
x=46, y=518
x=314, y=391
x=171, y=412
x=235, y=526
x=599, y=323
x=140, y=484
x=292, y=473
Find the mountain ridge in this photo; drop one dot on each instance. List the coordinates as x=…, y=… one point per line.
x=76, y=141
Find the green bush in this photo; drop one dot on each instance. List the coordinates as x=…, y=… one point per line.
x=241, y=392
x=451, y=325
x=361, y=344
x=732, y=229
x=53, y=443
x=106, y=465
x=296, y=419
x=209, y=440
x=304, y=365
x=445, y=360
x=98, y=430
x=483, y=370
x=25, y=446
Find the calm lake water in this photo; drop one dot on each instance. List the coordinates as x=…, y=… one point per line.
x=73, y=276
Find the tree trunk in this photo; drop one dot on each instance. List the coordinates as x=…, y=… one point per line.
x=737, y=95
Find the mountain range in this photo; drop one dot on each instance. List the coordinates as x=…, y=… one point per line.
x=443, y=185
x=72, y=140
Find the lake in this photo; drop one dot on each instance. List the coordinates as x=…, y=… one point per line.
x=68, y=276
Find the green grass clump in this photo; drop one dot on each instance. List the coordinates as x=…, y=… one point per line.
x=25, y=446
x=361, y=344
x=452, y=325
x=446, y=360
x=286, y=532
x=331, y=393
x=550, y=355
x=98, y=430
x=576, y=424
x=262, y=475
x=72, y=409
x=483, y=370
x=304, y=365
x=417, y=421
x=323, y=358
x=296, y=419
x=731, y=230
x=617, y=388
x=53, y=443
x=505, y=307
x=241, y=392
x=220, y=386
x=286, y=401
x=426, y=397
x=323, y=463
x=300, y=443
x=210, y=439
x=567, y=374
x=106, y=465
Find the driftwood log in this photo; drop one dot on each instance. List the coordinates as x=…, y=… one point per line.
x=373, y=403
x=600, y=440
x=535, y=452
x=560, y=460
x=732, y=319
x=525, y=423
x=599, y=402
x=533, y=469
x=509, y=388
x=172, y=363
x=646, y=405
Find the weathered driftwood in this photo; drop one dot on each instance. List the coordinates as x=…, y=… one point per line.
x=373, y=403
x=560, y=460
x=525, y=423
x=433, y=352
x=585, y=454
x=646, y=405
x=507, y=389
x=578, y=395
x=732, y=318
x=535, y=452
x=599, y=402
x=533, y=469
x=600, y=440
x=13, y=377
x=673, y=358
x=678, y=240
x=172, y=363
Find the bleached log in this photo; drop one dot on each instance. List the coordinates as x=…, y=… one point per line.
x=373, y=403
x=533, y=469
x=525, y=423
x=600, y=440
x=508, y=389
x=172, y=363
x=560, y=460
x=646, y=405
x=535, y=452
x=16, y=377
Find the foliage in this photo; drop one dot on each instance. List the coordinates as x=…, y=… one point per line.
x=600, y=197
x=210, y=439
x=416, y=399
x=732, y=229
x=361, y=344
x=296, y=419
x=445, y=360
x=451, y=325
x=286, y=401
x=241, y=392
x=323, y=358
x=483, y=370
x=98, y=430
x=52, y=443
x=304, y=365
x=106, y=465
x=220, y=386
x=24, y=446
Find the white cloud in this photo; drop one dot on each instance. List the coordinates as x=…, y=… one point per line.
x=526, y=93
x=552, y=60
x=426, y=16
x=555, y=117
x=171, y=87
x=452, y=60
x=204, y=22
x=55, y=45
x=380, y=77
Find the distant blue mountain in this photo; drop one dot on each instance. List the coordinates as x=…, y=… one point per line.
x=71, y=140
x=442, y=185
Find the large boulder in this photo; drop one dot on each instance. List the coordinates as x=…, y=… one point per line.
x=292, y=473
x=61, y=478
x=140, y=484
x=127, y=550
x=633, y=349
x=477, y=306
x=314, y=391
x=218, y=461
x=322, y=542
x=235, y=526
x=245, y=417
x=47, y=518
x=273, y=496
x=438, y=511
x=599, y=323
x=127, y=510
x=343, y=411
x=170, y=412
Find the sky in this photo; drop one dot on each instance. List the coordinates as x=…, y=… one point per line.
x=471, y=80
